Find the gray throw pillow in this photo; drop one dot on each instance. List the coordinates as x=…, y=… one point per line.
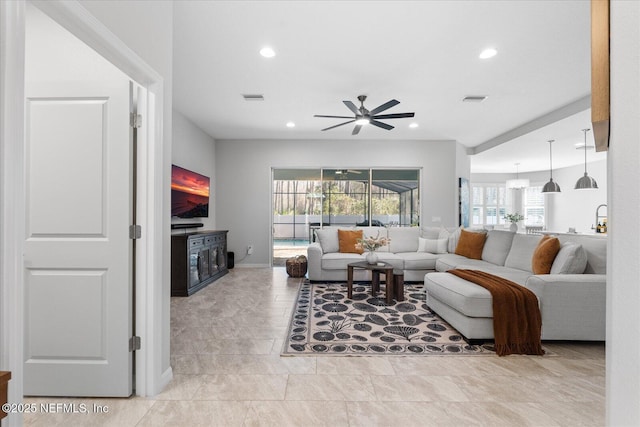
x=328, y=238
x=572, y=259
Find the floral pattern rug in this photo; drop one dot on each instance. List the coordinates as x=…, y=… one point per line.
x=325, y=322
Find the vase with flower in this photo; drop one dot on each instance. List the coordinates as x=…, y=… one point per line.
x=514, y=219
x=371, y=244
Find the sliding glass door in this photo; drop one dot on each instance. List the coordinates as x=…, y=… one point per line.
x=307, y=199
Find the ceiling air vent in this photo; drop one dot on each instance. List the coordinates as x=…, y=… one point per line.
x=474, y=98
x=253, y=97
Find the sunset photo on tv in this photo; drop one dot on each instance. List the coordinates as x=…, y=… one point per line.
x=189, y=193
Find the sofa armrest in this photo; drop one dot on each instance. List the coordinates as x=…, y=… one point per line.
x=573, y=306
x=314, y=261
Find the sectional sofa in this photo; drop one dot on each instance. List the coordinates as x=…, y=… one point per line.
x=572, y=297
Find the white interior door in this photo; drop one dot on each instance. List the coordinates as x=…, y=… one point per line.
x=77, y=251
x=78, y=307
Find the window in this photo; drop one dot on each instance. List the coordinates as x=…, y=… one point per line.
x=304, y=198
x=489, y=204
x=533, y=201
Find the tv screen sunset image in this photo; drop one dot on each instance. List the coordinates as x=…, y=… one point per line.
x=189, y=193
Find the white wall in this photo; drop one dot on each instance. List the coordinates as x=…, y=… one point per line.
x=243, y=176
x=147, y=28
x=195, y=150
x=623, y=254
x=569, y=208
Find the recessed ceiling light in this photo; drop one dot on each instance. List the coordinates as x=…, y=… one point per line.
x=291, y=125
x=488, y=53
x=413, y=125
x=267, y=52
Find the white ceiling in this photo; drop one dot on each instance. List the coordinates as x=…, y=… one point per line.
x=422, y=53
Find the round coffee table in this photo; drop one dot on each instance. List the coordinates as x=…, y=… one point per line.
x=377, y=268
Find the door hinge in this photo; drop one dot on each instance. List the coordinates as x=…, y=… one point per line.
x=135, y=343
x=135, y=231
x=135, y=120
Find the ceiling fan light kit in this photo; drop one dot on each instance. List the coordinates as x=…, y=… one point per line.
x=363, y=117
x=586, y=182
x=551, y=186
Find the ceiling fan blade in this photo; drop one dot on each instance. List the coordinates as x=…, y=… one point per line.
x=356, y=130
x=351, y=106
x=394, y=116
x=384, y=106
x=381, y=125
x=335, y=126
x=333, y=117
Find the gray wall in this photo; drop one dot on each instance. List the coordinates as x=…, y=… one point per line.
x=195, y=150
x=243, y=180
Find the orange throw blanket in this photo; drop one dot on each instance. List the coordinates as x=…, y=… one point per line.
x=517, y=323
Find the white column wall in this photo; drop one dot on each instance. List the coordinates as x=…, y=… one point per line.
x=623, y=262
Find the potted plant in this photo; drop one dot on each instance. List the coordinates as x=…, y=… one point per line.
x=371, y=244
x=513, y=218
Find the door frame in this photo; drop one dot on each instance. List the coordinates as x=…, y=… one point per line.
x=150, y=301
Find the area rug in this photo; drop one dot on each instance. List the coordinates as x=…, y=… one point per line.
x=325, y=322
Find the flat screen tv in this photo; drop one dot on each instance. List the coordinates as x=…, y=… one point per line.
x=189, y=193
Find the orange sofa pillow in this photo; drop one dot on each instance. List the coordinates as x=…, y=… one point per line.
x=471, y=244
x=545, y=253
x=347, y=240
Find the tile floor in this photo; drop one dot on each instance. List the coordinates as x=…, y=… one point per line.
x=225, y=347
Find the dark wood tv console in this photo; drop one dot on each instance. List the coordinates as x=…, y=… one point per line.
x=197, y=259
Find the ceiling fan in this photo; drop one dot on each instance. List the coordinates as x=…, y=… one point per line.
x=364, y=116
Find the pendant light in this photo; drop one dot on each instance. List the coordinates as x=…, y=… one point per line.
x=517, y=184
x=551, y=186
x=586, y=182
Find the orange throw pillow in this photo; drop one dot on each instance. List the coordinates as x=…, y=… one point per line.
x=347, y=240
x=471, y=244
x=545, y=253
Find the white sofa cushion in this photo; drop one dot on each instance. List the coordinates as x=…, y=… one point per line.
x=328, y=239
x=467, y=298
x=497, y=246
x=571, y=259
x=521, y=251
x=403, y=239
x=419, y=260
x=449, y=261
x=339, y=261
x=434, y=246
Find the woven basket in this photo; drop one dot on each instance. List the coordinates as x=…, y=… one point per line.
x=297, y=266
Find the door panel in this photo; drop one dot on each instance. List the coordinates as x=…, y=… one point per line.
x=78, y=302
x=67, y=196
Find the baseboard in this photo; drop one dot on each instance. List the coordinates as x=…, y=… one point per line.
x=164, y=380
x=243, y=265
